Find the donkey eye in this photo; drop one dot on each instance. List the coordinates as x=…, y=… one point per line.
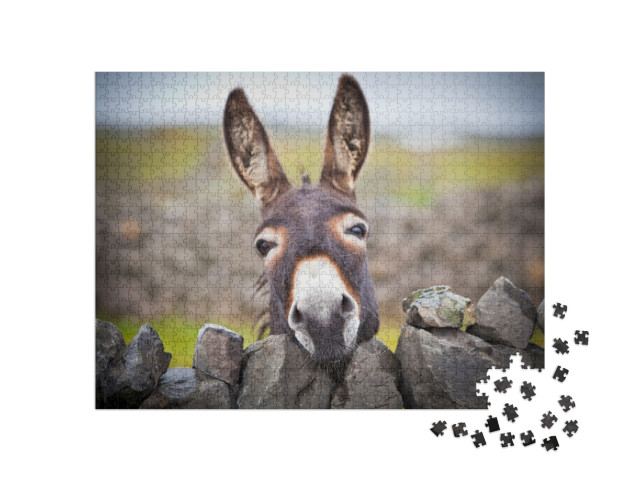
x=263, y=247
x=358, y=230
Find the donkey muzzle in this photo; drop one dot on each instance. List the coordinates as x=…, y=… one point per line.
x=323, y=315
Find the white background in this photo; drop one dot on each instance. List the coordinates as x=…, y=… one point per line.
x=50, y=53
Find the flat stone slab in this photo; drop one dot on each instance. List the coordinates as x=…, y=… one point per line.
x=187, y=388
x=277, y=374
x=505, y=315
x=436, y=306
x=371, y=379
x=218, y=352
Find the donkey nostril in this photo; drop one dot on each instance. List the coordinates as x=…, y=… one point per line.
x=348, y=305
x=295, y=318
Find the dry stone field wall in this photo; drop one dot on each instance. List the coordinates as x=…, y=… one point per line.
x=445, y=347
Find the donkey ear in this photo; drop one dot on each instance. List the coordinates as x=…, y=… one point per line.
x=250, y=152
x=347, y=138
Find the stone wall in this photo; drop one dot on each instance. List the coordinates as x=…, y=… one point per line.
x=446, y=347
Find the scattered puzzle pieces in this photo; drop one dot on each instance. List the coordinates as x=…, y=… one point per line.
x=582, y=337
x=506, y=439
x=559, y=310
x=528, y=390
x=527, y=438
x=567, y=403
x=511, y=412
x=560, y=374
x=502, y=385
x=492, y=424
x=478, y=439
x=439, y=428
x=551, y=443
x=561, y=347
x=459, y=430
x=570, y=427
x=548, y=420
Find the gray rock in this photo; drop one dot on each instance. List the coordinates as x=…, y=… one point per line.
x=371, y=379
x=186, y=388
x=218, y=352
x=277, y=374
x=436, y=306
x=505, y=314
x=540, y=315
x=130, y=379
x=110, y=344
x=440, y=368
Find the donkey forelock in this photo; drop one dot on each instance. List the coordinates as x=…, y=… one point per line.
x=312, y=238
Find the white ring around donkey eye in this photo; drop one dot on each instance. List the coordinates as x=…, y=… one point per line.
x=341, y=226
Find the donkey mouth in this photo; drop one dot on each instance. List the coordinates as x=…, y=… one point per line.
x=326, y=339
x=323, y=345
x=331, y=353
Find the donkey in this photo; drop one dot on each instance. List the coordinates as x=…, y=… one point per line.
x=312, y=238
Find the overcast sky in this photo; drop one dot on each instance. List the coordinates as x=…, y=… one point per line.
x=416, y=107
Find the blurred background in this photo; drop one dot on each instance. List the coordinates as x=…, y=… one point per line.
x=453, y=189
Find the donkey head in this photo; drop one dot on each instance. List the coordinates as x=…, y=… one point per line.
x=312, y=239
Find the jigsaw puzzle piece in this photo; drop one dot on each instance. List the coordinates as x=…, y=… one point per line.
x=439, y=428
x=478, y=439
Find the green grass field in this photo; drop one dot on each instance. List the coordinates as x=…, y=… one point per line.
x=179, y=334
